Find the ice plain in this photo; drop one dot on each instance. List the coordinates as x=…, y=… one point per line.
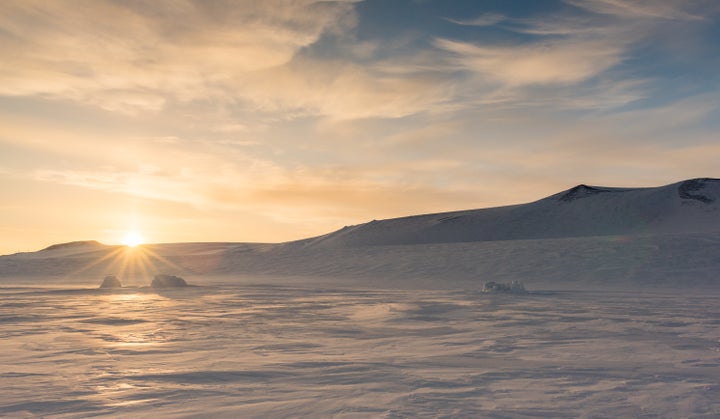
x=377, y=321
x=231, y=350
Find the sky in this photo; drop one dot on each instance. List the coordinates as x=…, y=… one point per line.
x=249, y=121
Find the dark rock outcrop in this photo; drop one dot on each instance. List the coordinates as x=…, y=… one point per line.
x=111, y=281
x=168, y=281
x=580, y=191
x=687, y=190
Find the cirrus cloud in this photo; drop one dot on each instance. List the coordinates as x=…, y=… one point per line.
x=560, y=62
x=135, y=56
x=644, y=9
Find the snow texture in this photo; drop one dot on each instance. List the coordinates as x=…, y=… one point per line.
x=300, y=351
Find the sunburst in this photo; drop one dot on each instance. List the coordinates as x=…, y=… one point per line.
x=132, y=264
x=133, y=239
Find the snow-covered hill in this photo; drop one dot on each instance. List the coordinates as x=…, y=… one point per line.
x=585, y=235
x=685, y=207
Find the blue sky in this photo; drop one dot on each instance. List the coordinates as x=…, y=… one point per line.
x=278, y=120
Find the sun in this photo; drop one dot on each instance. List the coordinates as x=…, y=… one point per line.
x=132, y=239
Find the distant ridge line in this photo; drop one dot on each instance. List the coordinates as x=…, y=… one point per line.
x=682, y=207
x=77, y=243
x=436, y=224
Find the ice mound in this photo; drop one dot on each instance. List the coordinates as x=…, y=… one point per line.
x=168, y=281
x=513, y=287
x=111, y=281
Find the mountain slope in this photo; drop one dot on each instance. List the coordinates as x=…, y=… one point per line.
x=684, y=207
x=589, y=235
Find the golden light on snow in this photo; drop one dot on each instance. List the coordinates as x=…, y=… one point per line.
x=132, y=239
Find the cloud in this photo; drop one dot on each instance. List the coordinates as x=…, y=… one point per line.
x=131, y=183
x=558, y=62
x=343, y=90
x=143, y=57
x=568, y=25
x=643, y=9
x=325, y=195
x=486, y=19
x=573, y=59
x=189, y=181
x=134, y=56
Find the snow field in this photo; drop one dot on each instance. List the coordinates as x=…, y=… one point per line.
x=264, y=350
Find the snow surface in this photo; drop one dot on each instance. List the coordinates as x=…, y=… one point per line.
x=289, y=351
x=386, y=319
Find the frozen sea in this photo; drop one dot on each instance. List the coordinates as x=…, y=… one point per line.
x=301, y=350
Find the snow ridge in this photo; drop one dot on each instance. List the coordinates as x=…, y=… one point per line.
x=73, y=244
x=690, y=206
x=587, y=234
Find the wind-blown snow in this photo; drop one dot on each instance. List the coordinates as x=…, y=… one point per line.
x=281, y=351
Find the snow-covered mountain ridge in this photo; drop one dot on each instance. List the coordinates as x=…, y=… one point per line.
x=685, y=207
x=586, y=234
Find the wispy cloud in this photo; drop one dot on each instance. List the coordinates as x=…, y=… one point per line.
x=486, y=19
x=543, y=63
x=643, y=9
x=343, y=90
x=572, y=59
x=135, y=56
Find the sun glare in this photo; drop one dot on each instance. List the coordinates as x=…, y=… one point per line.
x=132, y=239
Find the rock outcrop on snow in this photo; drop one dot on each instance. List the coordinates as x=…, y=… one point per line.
x=111, y=281
x=168, y=281
x=514, y=287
